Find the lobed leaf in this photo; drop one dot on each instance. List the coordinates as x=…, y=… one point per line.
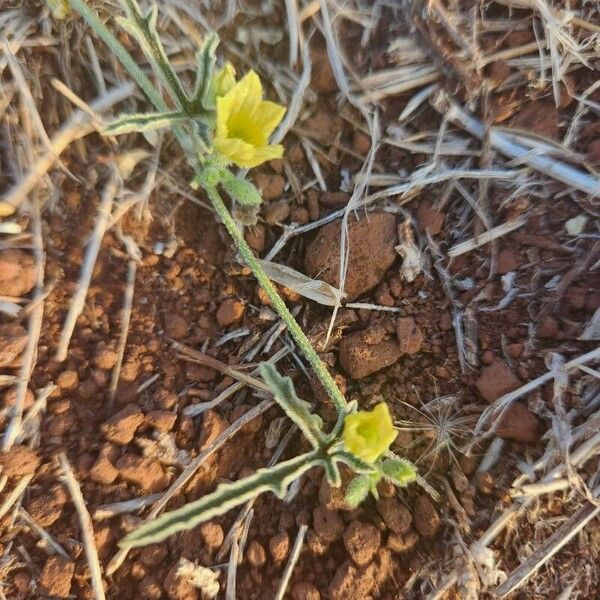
x=141, y=122
x=205, y=61
x=356, y=464
x=357, y=490
x=296, y=409
x=228, y=495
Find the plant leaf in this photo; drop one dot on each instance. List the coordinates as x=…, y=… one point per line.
x=332, y=472
x=296, y=409
x=356, y=464
x=240, y=190
x=205, y=61
x=141, y=122
x=399, y=471
x=357, y=490
x=228, y=495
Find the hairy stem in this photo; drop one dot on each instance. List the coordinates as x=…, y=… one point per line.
x=277, y=303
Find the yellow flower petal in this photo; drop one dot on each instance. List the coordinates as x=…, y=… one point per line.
x=369, y=434
x=245, y=122
x=224, y=79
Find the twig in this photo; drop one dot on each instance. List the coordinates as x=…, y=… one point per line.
x=87, y=529
x=87, y=268
x=107, y=511
x=14, y=494
x=46, y=537
x=485, y=237
x=291, y=563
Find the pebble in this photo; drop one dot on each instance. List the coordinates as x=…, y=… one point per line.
x=17, y=272
x=68, y=380
x=230, y=311
x=120, y=428
x=372, y=242
x=303, y=590
x=548, y=328
x=277, y=212
x=179, y=588
x=20, y=461
x=409, y=335
x=270, y=186
x=576, y=297
x=279, y=546
x=518, y=423
x=300, y=216
x=507, y=261
x=153, y=555
x=146, y=473
x=352, y=582
x=496, y=380
x=427, y=519
x=334, y=199
x=429, y=219
x=322, y=78
x=314, y=211
x=176, y=326
x=361, y=355
x=105, y=358
x=362, y=541
x=256, y=554
x=540, y=117
x=13, y=339
x=395, y=515
x=163, y=420
x=213, y=425
x=212, y=534
x=361, y=143
x=103, y=471
x=10, y=399
x=56, y=577
x=328, y=524
x=445, y=321
x=47, y=508
x=400, y=543
x=256, y=237
x=515, y=350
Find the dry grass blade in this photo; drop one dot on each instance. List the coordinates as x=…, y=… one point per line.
x=291, y=563
x=87, y=529
x=485, y=238
x=14, y=494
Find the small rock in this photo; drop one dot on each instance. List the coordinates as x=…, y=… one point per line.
x=548, y=328
x=395, y=515
x=153, y=555
x=20, y=461
x=540, y=117
x=47, y=508
x=359, y=358
x=495, y=381
x=314, y=210
x=146, y=473
x=334, y=199
x=105, y=358
x=515, y=350
x=576, y=297
x=518, y=423
x=212, y=534
x=445, y=321
x=315, y=543
x=163, y=420
x=120, y=428
x=230, y=311
x=409, y=335
x=323, y=79
x=17, y=272
x=429, y=219
x=303, y=590
x=179, y=588
x=279, y=546
x=333, y=497
x=362, y=541
x=103, y=471
x=507, y=261
x=351, y=582
x=277, y=212
x=256, y=237
x=270, y=186
x=400, y=543
x=256, y=554
x=328, y=524
x=165, y=399
x=213, y=425
x=176, y=326
x=361, y=143
x=68, y=380
x=13, y=339
x=56, y=576
x=371, y=243
x=427, y=519
x=300, y=216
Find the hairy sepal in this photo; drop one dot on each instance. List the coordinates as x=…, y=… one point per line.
x=240, y=190
x=399, y=471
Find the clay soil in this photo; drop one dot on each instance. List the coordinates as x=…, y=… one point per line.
x=520, y=300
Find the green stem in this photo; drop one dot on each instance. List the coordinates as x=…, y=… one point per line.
x=277, y=303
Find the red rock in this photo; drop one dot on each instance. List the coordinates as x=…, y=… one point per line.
x=146, y=473
x=495, y=381
x=362, y=541
x=429, y=219
x=179, y=588
x=427, y=519
x=231, y=311
x=304, y=590
x=540, y=117
x=270, y=186
x=372, y=242
x=361, y=355
x=256, y=554
x=212, y=534
x=105, y=358
x=514, y=350
x=163, y=420
x=323, y=79
x=361, y=143
x=17, y=272
x=256, y=237
x=548, y=328
x=13, y=339
x=409, y=335
x=300, y=216
x=279, y=546
x=213, y=425
x=507, y=261
x=56, y=577
x=395, y=515
x=120, y=428
x=334, y=199
x=402, y=543
x=176, y=326
x=328, y=524
x=103, y=471
x=352, y=582
x=68, y=380
x=47, y=508
x=445, y=321
x=518, y=423
x=576, y=297
x=277, y=212
x=314, y=211
x=20, y=461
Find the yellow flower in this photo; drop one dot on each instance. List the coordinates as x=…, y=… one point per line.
x=224, y=79
x=245, y=122
x=368, y=434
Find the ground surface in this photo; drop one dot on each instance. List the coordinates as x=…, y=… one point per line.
x=439, y=331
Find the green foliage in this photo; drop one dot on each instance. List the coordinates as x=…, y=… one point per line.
x=357, y=490
x=399, y=471
x=240, y=190
x=141, y=122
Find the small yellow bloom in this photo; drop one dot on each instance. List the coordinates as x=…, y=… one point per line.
x=224, y=79
x=368, y=434
x=245, y=122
